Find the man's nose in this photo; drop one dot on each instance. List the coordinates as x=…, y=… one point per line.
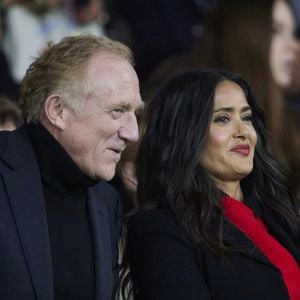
x=130, y=131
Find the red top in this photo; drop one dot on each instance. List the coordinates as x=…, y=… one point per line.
x=244, y=218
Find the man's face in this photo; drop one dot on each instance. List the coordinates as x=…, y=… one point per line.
x=97, y=136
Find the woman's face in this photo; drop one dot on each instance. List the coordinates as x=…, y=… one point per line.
x=228, y=154
x=284, y=46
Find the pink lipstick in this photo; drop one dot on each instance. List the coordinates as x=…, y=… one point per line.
x=242, y=150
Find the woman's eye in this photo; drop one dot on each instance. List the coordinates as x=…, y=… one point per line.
x=247, y=118
x=221, y=119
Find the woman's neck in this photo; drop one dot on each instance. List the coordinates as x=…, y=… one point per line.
x=233, y=189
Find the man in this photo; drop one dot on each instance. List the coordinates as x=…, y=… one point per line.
x=59, y=220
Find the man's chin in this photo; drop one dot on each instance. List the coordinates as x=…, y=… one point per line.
x=107, y=176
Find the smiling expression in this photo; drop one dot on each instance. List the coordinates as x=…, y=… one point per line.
x=229, y=151
x=97, y=136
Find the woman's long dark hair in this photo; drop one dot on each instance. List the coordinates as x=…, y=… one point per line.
x=170, y=176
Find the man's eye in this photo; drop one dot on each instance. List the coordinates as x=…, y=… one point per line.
x=117, y=112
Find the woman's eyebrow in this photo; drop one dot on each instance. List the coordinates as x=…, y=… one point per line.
x=230, y=109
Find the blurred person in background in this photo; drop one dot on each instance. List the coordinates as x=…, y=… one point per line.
x=86, y=16
x=285, y=68
x=216, y=218
x=10, y=115
x=160, y=28
x=29, y=25
x=8, y=87
x=125, y=180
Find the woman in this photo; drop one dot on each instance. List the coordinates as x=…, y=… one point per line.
x=217, y=218
x=256, y=39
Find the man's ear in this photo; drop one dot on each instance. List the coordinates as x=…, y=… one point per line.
x=55, y=111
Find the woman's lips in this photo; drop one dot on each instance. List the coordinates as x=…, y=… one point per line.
x=242, y=150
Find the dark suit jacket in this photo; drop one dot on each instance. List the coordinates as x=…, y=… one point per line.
x=164, y=266
x=25, y=259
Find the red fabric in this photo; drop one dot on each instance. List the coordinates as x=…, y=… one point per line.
x=244, y=218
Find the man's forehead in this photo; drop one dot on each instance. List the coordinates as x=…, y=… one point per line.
x=107, y=58
x=112, y=68
x=134, y=103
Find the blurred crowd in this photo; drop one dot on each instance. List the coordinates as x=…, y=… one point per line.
x=259, y=39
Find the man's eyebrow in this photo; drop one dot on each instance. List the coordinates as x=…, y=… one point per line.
x=231, y=109
x=129, y=106
x=123, y=105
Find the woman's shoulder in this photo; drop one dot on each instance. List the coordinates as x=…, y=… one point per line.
x=153, y=220
x=151, y=229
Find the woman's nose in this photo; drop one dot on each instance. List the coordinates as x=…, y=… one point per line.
x=241, y=130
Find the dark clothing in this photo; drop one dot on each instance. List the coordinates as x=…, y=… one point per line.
x=8, y=87
x=165, y=266
x=27, y=264
x=64, y=187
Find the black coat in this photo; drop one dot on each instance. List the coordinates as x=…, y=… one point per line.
x=25, y=258
x=164, y=266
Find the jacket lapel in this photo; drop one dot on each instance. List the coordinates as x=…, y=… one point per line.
x=282, y=236
x=102, y=245
x=27, y=203
x=236, y=238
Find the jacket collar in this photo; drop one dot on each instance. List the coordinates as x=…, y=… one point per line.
x=234, y=237
x=24, y=189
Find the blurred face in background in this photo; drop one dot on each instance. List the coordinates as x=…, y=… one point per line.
x=90, y=11
x=284, y=46
x=8, y=126
x=51, y=4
